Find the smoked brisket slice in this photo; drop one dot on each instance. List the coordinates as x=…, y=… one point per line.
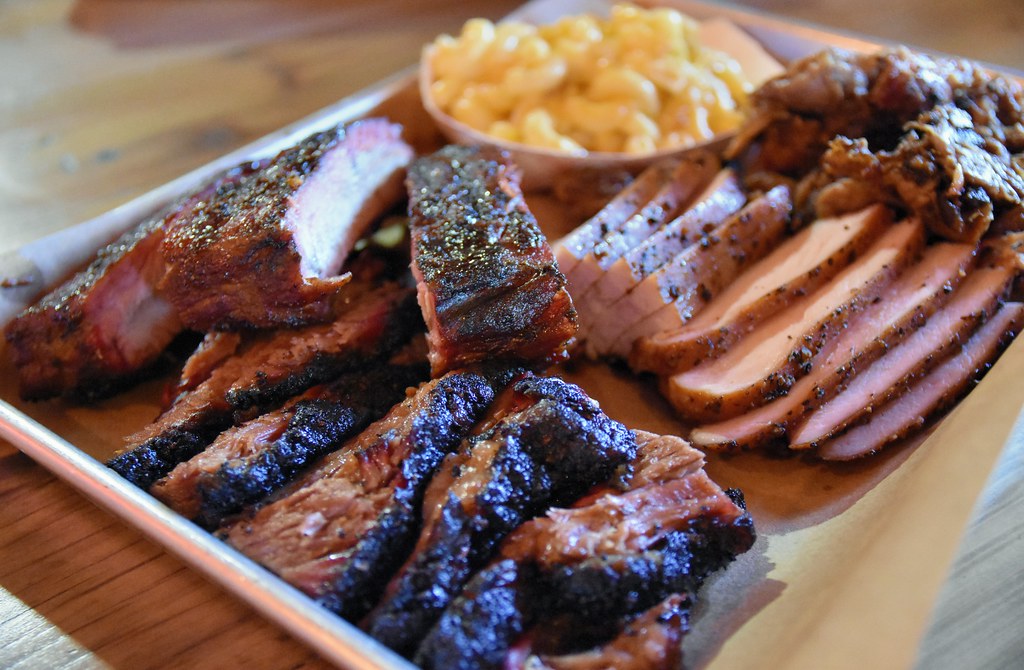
x=267, y=369
x=268, y=251
x=247, y=463
x=489, y=286
x=106, y=326
x=619, y=551
x=651, y=641
x=552, y=444
x=341, y=531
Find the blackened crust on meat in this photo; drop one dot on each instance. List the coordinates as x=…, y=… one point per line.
x=378, y=554
x=316, y=426
x=580, y=447
x=287, y=229
x=606, y=587
x=384, y=328
x=612, y=555
x=267, y=370
x=650, y=641
x=551, y=451
x=345, y=559
x=459, y=542
x=489, y=284
x=478, y=629
x=155, y=457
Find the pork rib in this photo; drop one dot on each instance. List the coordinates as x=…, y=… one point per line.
x=105, y=327
x=247, y=463
x=268, y=369
x=343, y=529
x=488, y=283
x=286, y=229
x=902, y=309
x=907, y=414
x=552, y=443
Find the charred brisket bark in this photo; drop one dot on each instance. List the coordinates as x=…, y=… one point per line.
x=615, y=554
x=268, y=369
x=342, y=530
x=552, y=444
x=248, y=463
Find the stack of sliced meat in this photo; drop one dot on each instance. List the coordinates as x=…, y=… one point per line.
x=491, y=508
x=795, y=340
x=571, y=588
x=647, y=262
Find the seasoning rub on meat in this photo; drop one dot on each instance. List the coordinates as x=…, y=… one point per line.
x=550, y=444
x=103, y=328
x=575, y=572
x=488, y=283
x=287, y=229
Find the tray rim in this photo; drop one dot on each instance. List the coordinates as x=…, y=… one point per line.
x=335, y=639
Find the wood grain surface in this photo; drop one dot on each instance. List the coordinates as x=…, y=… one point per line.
x=102, y=100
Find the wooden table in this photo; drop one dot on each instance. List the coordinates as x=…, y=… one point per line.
x=101, y=100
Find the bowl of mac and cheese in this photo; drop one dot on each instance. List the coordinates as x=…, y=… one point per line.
x=589, y=92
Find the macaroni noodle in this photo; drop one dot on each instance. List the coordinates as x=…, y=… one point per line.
x=636, y=82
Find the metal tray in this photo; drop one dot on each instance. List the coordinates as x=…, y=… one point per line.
x=748, y=605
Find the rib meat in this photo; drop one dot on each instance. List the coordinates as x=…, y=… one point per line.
x=552, y=443
x=105, y=327
x=286, y=229
x=973, y=301
x=795, y=268
x=901, y=310
x=268, y=369
x=765, y=364
x=488, y=283
x=906, y=414
x=247, y=463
